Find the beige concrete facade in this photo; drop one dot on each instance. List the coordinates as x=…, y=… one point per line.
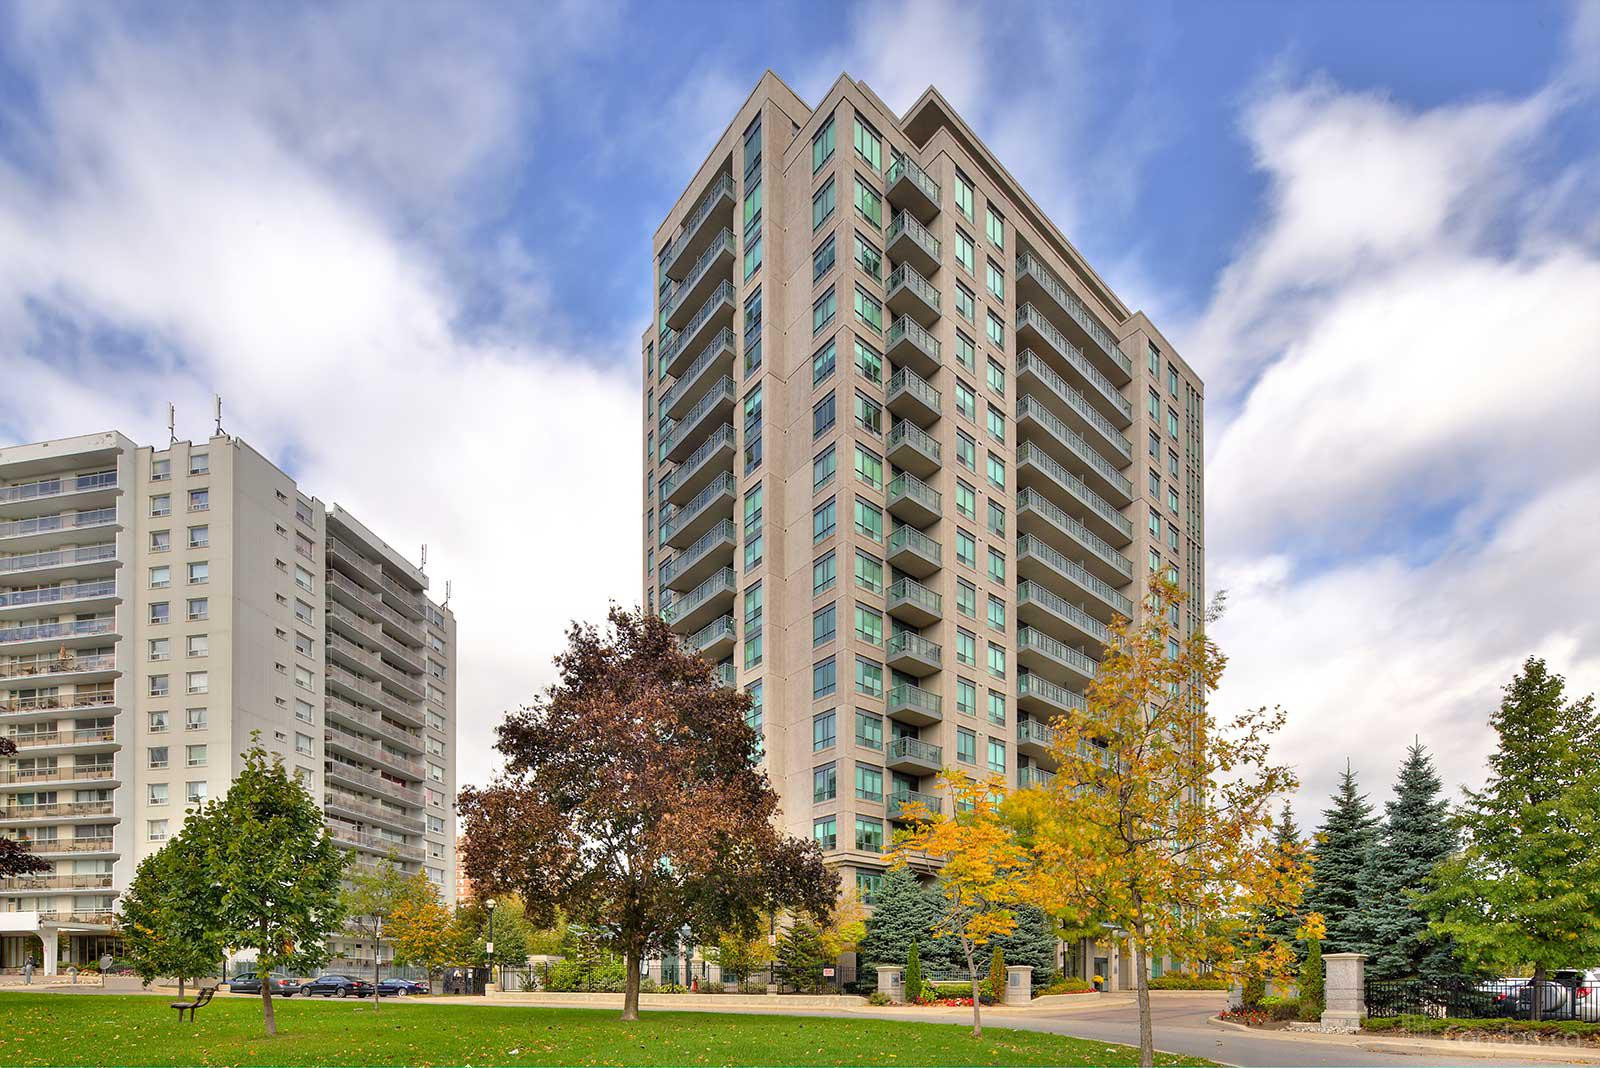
x=1012, y=451
x=158, y=607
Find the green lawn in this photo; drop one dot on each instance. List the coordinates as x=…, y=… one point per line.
x=92, y=1029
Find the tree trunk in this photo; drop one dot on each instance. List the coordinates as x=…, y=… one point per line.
x=180, y=988
x=630, y=983
x=1147, y=1042
x=1536, y=994
x=266, y=1006
x=972, y=973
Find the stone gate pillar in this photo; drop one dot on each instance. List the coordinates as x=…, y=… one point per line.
x=891, y=982
x=1345, y=990
x=1019, y=984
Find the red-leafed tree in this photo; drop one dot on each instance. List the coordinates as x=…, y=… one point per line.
x=633, y=801
x=15, y=860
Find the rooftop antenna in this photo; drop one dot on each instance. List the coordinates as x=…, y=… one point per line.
x=447, y=584
x=219, y=414
x=424, y=565
x=172, y=424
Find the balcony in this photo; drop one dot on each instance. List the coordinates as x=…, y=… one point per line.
x=713, y=265
x=724, y=675
x=370, y=721
x=366, y=572
x=344, y=621
x=355, y=688
x=1040, y=652
x=84, y=561
x=712, y=550
x=714, y=363
x=1069, y=404
x=912, y=654
x=95, y=595
x=715, y=206
x=45, y=743
x=901, y=804
x=715, y=314
x=914, y=552
x=910, y=188
x=713, y=641
x=713, y=457
x=913, y=756
x=371, y=782
x=1038, y=560
x=41, y=637
x=913, y=501
x=96, y=490
x=910, y=397
x=1041, y=697
x=59, y=812
x=1041, y=517
x=55, y=669
x=1068, y=448
x=68, y=847
x=712, y=598
x=103, y=700
x=1040, y=606
x=43, y=531
x=32, y=884
x=337, y=740
x=405, y=601
x=913, y=449
x=1034, y=278
x=1035, y=331
x=1030, y=776
x=912, y=704
x=910, y=294
x=911, y=602
x=101, y=774
x=1035, y=738
x=710, y=505
x=1037, y=469
x=713, y=409
x=351, y=838
x=909, y=345
x=350, y=806
x=911, y=242
x=370, y=663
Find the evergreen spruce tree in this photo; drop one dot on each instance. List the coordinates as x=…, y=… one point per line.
x=1312, y=982
x=801, y=957
x=1417, y=836
x=1032, y=942
x=997, y=976
x=1280, y=922
x=904, y=911
x=913, y=975
x=1338, y=867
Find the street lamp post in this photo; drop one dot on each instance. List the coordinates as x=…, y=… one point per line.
x=377, y=953
x=489, y=947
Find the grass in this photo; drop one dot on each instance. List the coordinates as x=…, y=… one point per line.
x=97, y=1029
x=1462, y=1027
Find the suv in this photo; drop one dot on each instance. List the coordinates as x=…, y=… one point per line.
x=250, y=983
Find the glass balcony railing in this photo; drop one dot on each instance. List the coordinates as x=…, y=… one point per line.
x=26, y=667
x=1029, y=453
x=1036, y=733
x=908, y=329
x=907, y=225
x=720, y=393
x=1057, y=561
x=724, y=581
x=910, y=591
x=1056, y=605
x=1029, y=361
x=713, y=632
x=1030, y=317
x=57, y=594
x=1027, y=263
x=78, y=628
x=907, y=433
x=723, y=486
x=724, y=533
x=910, y=539
x=57, y=487
x=908, y=696
x=1031, y=685
x=83, y=554
x=923, y=289
x=720, y=344
x=44, y=524
x=912, y=488
x=912, y=384
x=901, y=167
x=903, y=803
x=1030, y=408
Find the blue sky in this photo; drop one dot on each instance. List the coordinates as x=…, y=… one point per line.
x=386, y=238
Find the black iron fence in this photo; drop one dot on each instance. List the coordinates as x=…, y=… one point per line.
x=1563, y=996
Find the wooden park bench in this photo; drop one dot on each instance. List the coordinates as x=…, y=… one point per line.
x=202, y=999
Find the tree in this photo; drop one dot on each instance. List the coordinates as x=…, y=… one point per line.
x=1525, y=888
x=913, y=974
x=513, y=935
x=1278, y=920
x=368, y=900
x=847, y=926
x=905, y=912
x=984, y=872
x=14, y=859
x=801, y=957
x=419, y=926
x=1417, y=836
x=277, y=871
x=1338, y=866
x=997, y=975
x=632, y=800
x=1033, y=943
x=166, y=915
x=1311, y=974
x=739, y=956
x=1159, y=816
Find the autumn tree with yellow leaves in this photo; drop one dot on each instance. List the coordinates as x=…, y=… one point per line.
x=985, y=871
x=1158, y=822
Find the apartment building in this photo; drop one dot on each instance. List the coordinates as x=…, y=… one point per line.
x=907, y=455
x=158, y=609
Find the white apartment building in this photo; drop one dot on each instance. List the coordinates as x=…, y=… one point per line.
x=158, y=607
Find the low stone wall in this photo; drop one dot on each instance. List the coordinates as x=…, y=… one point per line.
x=685, y=1001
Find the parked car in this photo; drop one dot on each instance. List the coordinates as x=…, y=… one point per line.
x=401, y=987
x=1567, y=995
x=1500, y=995
x=250, y=983
x=337, y=986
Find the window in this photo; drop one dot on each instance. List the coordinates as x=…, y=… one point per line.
x=995, y=277
x=966, y=647
x=966, y=746
x=823, y=727
x=964, y=200
x=868, y=258
x=197, y=645
x=157, y=756
x=966, y=351
x=159, y=686
x=824, y=783
x=199, y=463
x=1172, y=380
x=997, y=565
x=1172, y=498
x=868, y=146
x=966, y=697
x=869, y=730
x=869, y=625
x=869, y=414
x=997, y=425
x=869, y=572
x=869, y=203
x=996, y=471
x=966, y=450
x=966, y=403
x=869, y=783
x=160, y=577
x=161, y=504
x=1155, y=524
x=966, y=598
x=303, y=678
x=1155, y=443
x=199, y=537
x=823, y=311
x=1172, y=422
x=302, y=744
x=822, y=416
x=194, y=792
x=160, y=541
x=1172, y=464
x=199, y=500
x=997, y=756
x=997, y=660
x=997, y=706
x=157, y=722
x=823, y=258
x=156, y=830
x=964, y=251
x=966, y=304
x=997, y=518
x=826, y=832
x=823, y=466
x=197, y=682
x=997, y=331
x=302, y=611
x=1154, y=356
x=869, y=677
x=1155, y=483
x=824, y=624
x=157, y=793
x=996, y=228
x=823, y=573
x=966, y=548
x=160, y=612
x=869, y=310
x=198, y=608
x=200, y=573
x=822, y=363
x=194, y=719
x=822, y=204
x=966, y=500
x=869, y=363
x=869, y=835
x=869, y=467
x=822, y=146
x=824, y=520
x=160, y=470
x=824, y=680
x=997, y=613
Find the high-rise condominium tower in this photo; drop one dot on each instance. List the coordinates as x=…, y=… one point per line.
x=158, y=607
x=907, y=454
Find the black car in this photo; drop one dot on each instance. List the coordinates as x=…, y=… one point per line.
x=401, y=987
x=337, y=986
x=250, y=983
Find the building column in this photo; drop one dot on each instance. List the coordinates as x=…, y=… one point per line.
x=52, y=947
x=1344, y=990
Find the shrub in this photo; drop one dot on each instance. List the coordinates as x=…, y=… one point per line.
x=1500, y=1025
x=1255, y=988
x=1276, y=1008
x=1311, y=982
x=878, y=997
x=1185, y=981
x=997, y=975
x=711, y=986
x=913, y=976
x=672, y=988
x=1068, y=984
